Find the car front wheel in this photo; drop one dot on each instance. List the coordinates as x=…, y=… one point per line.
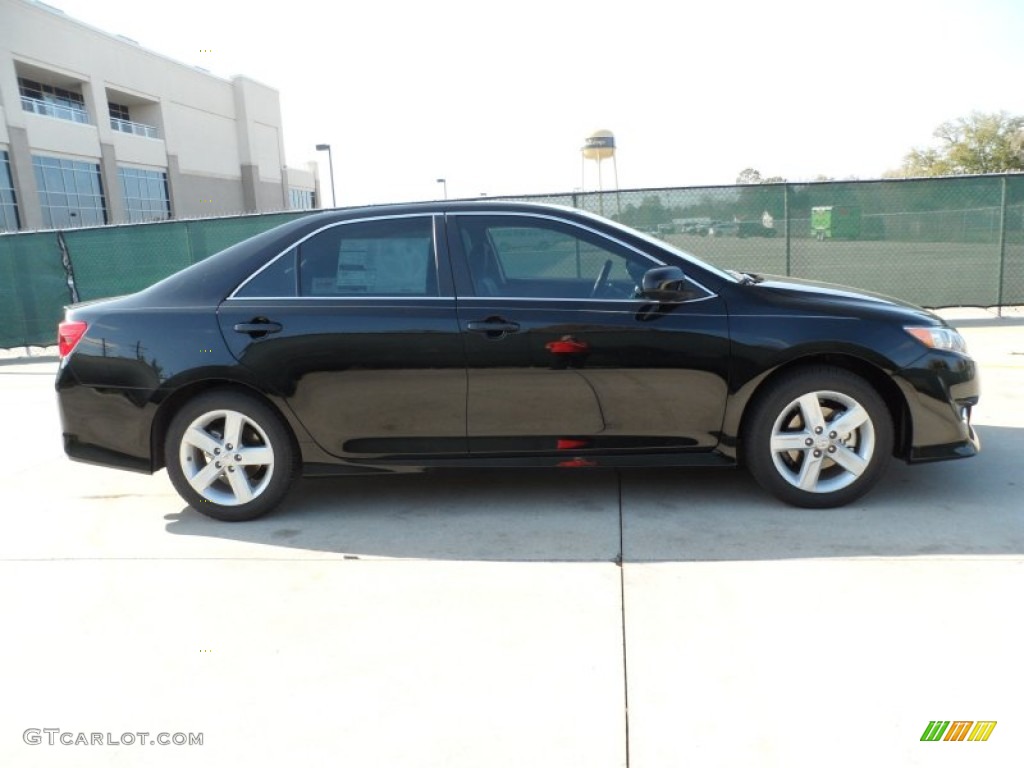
x=818, y=437
x=230, y=456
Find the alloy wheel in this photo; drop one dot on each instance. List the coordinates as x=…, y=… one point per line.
x=822, y=441
x=226, y=457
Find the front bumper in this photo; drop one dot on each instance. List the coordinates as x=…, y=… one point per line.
x=941, y=390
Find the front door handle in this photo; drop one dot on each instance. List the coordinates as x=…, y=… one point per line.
x=493, y=327
x=258, y=327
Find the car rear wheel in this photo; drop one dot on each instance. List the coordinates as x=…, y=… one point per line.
x=818, y=437
x=230, y=456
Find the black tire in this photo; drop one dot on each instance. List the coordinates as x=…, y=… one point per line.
x=798, y=457
x=230, y=479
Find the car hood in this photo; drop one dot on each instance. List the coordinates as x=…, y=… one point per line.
x=830, y=296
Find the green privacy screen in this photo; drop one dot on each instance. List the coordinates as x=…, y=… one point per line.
x=38, y=276
x=33, y=289
x=110, y=261
x=936, y=242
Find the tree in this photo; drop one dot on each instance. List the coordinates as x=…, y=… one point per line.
x=749, y=176
x=981, y=143
x=753, y=176
x=648, y=215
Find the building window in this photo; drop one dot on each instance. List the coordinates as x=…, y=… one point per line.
x=8, y=202
x=120, y=120
x=70, y=192
x=301, y=199
x=145, y=194
x=120, y=111
x=51, y=101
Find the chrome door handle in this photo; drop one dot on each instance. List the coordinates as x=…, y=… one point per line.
x=258, y=327
x=493, y=328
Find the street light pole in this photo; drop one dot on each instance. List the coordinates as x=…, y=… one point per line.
x=330, y=163
x=445, y=183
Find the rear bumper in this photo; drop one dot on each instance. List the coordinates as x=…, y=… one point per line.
x=105, y=425
x=94, y=454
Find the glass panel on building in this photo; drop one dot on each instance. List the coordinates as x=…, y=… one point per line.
x=8, y=201
x=145, y=194
x=119, y=111
x=70, y=192
x=300, y=199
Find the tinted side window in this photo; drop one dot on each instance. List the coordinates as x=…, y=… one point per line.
x=531, y=252
x=278, y=280
x=386, y=257
x=518, y=256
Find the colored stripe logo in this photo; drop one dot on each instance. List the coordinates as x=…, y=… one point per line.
x=958, y=730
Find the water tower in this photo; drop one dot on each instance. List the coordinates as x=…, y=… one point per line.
x=600, y=146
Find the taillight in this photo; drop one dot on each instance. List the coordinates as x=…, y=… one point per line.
x=68, y=334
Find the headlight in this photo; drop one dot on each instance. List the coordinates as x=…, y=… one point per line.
x=937, y=337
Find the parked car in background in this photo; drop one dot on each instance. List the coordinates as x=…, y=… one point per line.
x=739, y=229
x=723, y=229
x=695, y=227
x=493, y=334
x=754, y=229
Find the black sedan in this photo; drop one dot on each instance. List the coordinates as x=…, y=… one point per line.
x=489, y=334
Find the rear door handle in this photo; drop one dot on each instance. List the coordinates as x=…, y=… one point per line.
x=488, y=326
x=493, y=327
x=258, y=327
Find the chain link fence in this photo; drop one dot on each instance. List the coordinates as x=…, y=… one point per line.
x=935, y=242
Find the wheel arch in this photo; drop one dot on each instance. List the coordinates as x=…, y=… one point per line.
x=889, y=391
x=174, y=402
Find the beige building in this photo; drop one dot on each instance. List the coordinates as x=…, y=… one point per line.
x=95, y=129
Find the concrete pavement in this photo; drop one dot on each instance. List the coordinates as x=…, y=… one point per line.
x=481, y=619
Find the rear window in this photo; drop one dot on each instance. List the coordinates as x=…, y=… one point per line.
x=386, y=257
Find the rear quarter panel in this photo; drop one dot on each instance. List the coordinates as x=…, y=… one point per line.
x=111, y=386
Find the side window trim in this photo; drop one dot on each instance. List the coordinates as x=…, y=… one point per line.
x=265, y=268
x=445, y=289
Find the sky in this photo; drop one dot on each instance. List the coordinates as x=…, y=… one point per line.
x=497, y=98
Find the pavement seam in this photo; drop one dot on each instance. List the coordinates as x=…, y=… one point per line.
x=622, y=605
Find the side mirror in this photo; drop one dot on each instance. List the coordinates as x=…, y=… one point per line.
x=664, y=284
